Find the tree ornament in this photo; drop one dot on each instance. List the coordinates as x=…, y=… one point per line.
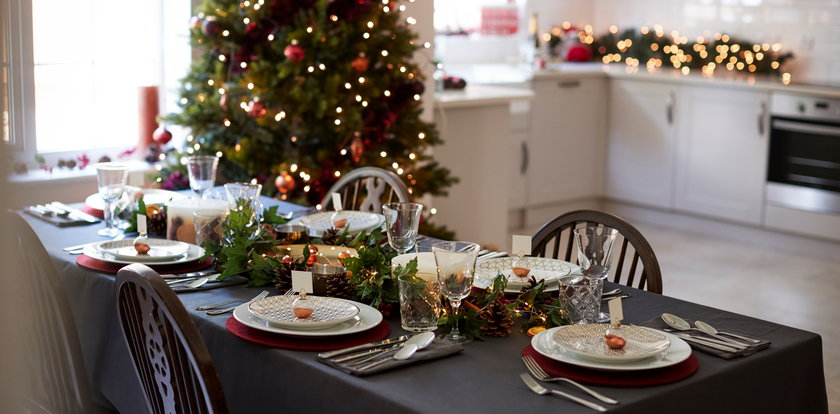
x=211, y=27
x=284, y=182
x=256, y=109
x=360, y=64
x=223, y=101
x=161, y=136
x=578, y=53
x=357, y=148
x=294, y=53
x=196, y=22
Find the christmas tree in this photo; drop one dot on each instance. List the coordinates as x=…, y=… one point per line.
x=296, y=92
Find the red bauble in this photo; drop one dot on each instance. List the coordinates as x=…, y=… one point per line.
x=578, y=53
x=256, y=109
x=162, y=136
x=357, y=147
x=284, y=182
x=211, y=28
x=294, y=53
x=360, y=64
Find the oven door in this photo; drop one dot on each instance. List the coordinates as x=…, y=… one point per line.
x=804, y=167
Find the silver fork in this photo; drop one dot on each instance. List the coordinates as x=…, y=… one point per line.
x=539, y=389
x=541, y=375
x=226, y=310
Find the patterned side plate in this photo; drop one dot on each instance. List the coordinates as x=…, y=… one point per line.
x=326, y=312
x=541, y=268
x=357, y=221
x=162, y=250
x=587, y=341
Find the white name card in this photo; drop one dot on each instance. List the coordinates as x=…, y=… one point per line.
x=301, y=281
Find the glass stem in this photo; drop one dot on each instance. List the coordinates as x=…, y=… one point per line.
x=109, y=215
x=455, y=305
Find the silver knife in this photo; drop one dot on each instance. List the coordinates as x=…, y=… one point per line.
x=705, y=342
x=337, y=352
x=81, y=215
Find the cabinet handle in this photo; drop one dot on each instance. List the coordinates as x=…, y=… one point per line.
x=526, y=159
x=669, y=108
x=568, y=84
x=761, y=117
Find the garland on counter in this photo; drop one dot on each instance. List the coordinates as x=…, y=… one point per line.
x=250, y=249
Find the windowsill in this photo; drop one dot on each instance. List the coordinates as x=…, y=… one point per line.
x=34, y=177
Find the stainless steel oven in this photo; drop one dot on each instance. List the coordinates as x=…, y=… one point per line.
x=803, y=171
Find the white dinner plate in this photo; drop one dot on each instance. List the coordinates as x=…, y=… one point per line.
x=161, y=250
x=150, y=196
x=326, y=311
x=193, y=253
x=367, y=318
x=541, y=268
x=587, y=341
x=678, y=352
x=357, y=221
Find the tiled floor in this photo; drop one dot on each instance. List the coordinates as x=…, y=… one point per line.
x=772, y=284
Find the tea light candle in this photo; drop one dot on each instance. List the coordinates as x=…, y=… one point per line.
x=180, y=221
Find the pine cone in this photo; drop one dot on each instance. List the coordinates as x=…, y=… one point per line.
x=156, y=221
x=330, y=236
x=340, y=287
x=498, y=317
x=283, y=277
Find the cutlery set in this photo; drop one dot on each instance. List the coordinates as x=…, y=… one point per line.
x=211, y=309
x=365, y=357
x=713, y=338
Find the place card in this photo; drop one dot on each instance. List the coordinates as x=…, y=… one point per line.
x=141, y=224
x=521, y=244
x=301, y=281
x=616, y=311
x=336, y=199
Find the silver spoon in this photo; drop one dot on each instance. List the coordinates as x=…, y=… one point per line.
x=705, y=327
x=412, y=345
x=681, y=324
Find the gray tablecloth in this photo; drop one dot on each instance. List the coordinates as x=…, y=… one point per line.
x=788, y=377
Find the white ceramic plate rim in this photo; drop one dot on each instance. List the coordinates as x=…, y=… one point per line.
x=179, y=247
x=304, y=325
x=193, y=254
x=611, y=359
x=94, y=201
x=316, y=231
x=482, y=279
x=678, y=352
x=368, y=318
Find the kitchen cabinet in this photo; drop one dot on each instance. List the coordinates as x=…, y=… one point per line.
x=641, y=142
x=565, y=149
x=722, y=150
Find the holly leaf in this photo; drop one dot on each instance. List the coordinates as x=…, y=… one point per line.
x=271, y=216
x=409, y=270
x=468, y=322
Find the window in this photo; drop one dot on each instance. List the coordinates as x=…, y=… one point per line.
x=5, y=98
x=86, y=60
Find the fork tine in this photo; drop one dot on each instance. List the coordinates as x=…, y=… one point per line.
x=289, y=292
x=537, y=368
x=532, y=367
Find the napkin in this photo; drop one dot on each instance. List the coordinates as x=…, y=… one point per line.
x=231, y=281
x=437, y=349
x=658, y=323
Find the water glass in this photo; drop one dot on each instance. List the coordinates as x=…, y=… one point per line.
x=455, y=272
x=111, y=179
x=594, y=246
x=209, y=226
x=581, y=296
x=202, y=172
x=401, y=223
x=419, y=302
x=244, y=198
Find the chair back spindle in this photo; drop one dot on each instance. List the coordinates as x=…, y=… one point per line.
x=366, y=189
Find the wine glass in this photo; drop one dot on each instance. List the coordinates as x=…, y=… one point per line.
x=202, y=172
x=111, y=180
x=455, y=272
x=594, y=250
x=401, y=223
x=244, y=198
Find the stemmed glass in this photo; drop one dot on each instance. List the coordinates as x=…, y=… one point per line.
x=111, y=180
x=244, y=197
x=202, y=172
x=455, y=272
x=401, y=223
x=594, y=250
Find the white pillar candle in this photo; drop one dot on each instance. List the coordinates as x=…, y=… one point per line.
x=180, y=222
x=426, y=268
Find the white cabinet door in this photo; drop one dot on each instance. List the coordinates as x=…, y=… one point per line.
x=566, y=145
x=722, y=153
x=641, y=142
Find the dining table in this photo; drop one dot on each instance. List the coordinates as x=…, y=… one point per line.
x=485, y=377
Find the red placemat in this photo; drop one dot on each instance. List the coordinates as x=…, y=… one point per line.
x=302, y=343
x=93, y=211
x=113, y=268
x=644, y=378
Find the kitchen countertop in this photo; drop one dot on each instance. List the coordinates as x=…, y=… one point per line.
x=480, y=95
x=520, y=76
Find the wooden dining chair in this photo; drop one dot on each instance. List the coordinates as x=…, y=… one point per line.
x=557, y=236
x=57, y=380
x=169, y=355
x=366, y=189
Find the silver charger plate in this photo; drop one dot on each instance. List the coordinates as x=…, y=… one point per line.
x=326, y=311
x=368, y=318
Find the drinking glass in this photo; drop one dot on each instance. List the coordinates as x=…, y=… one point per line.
x=401, y=223
x=209, y=226
x=202, y=172
x=111, y=180
x=244, y=198
x=455, y=263
x=594, y=250
x=419, y=302
x=582, y=297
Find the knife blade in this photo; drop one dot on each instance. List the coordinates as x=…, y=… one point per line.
x=705, y=342
x=337, y=352
x=81, y=215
